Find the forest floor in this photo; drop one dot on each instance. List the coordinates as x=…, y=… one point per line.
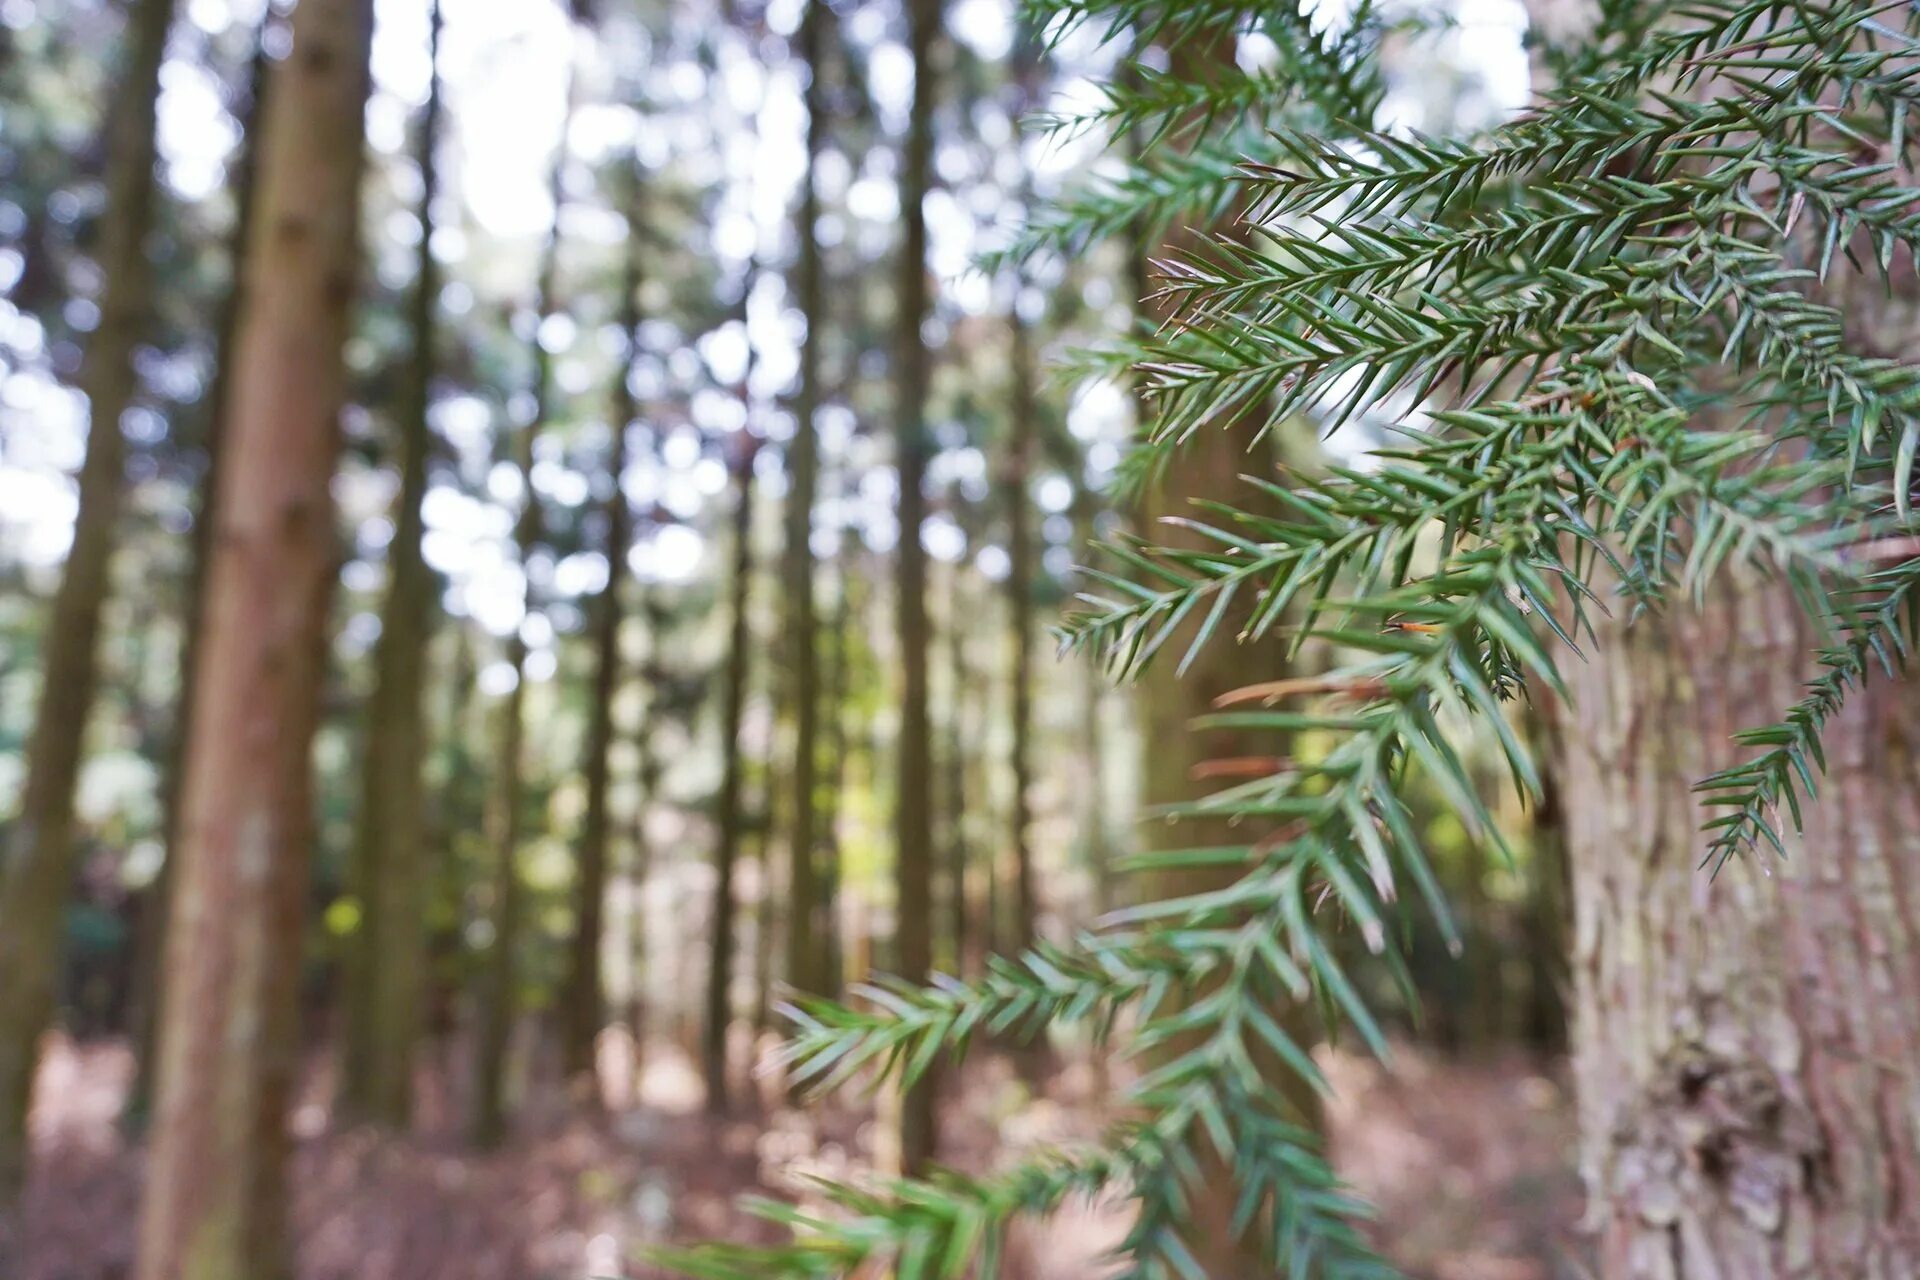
x=1467, y=1163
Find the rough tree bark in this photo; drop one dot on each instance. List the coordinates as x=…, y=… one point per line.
x=913, y=813
x=583, y=1001
x=1739, y=1040
x=1742, y=1042
x=215, y=1202
x=37, y=862
x=387, y=967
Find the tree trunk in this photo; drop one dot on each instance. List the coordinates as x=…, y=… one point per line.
x=1208, y=466
x=584, y=1002
x=1093, y=689
x=1740, y=1040
x=804, y=966
x=496, y=1003
x=461, y=810
x=959, y=749
x=719, y=1011
x=647, y=774
x=913, y=868
x=387, y=961
x=152, y=932
x=988, y=928
x=37, y=861
x=1545, y=925
x=498, y=995
x=839, y=752
x=215, y=1203
x=1023, y=424
x=766, y=923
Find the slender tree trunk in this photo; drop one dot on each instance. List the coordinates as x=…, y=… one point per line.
x=914, y=808
x=386, y=965
x=1545, y=926
x=215, y=1204
x=803, y=948
x=772, y=915
x=1093, y=800
x=584, y=1002
x=647, y=774
x=988, y=926
x=495, y=999
x=1740, y=1040
x=960, y=746
x=461, y=809
x=498, y=1003
x=766, y=927
x=152, y=933
x=719, y=1010
x=1023, y=425
x=839, y=690
x=1023, y=430
x=37, y=863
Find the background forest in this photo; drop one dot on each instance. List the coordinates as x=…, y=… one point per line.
x=649, y=449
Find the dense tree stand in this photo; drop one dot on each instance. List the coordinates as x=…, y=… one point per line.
x=1505, y=580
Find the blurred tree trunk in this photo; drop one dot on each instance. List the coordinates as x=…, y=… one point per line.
x=583, y=1006
x=913, y=813
x=959, y=747
x=1175, y=754
x=988, y=925
x=1544, y=926
x=496, y=1001
x=1740, y=1039
x=459, y=812
x=647, y=774
x=719, y=1010
x=1208, y=466
x=766, y=922
x=803, y=948
x=1093, y=801
x=386, y=969
x=498, y=996
x=37, y=861
x=152, y=932
x=1023, y=425
x=839, y=691
x=215, y=1202
x=1023, y=432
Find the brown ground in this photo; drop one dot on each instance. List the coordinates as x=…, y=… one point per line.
x=1467, y=1164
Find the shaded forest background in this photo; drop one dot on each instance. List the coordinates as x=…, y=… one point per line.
x=702, y=513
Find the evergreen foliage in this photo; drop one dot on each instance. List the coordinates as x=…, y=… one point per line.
x=1605, y=342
